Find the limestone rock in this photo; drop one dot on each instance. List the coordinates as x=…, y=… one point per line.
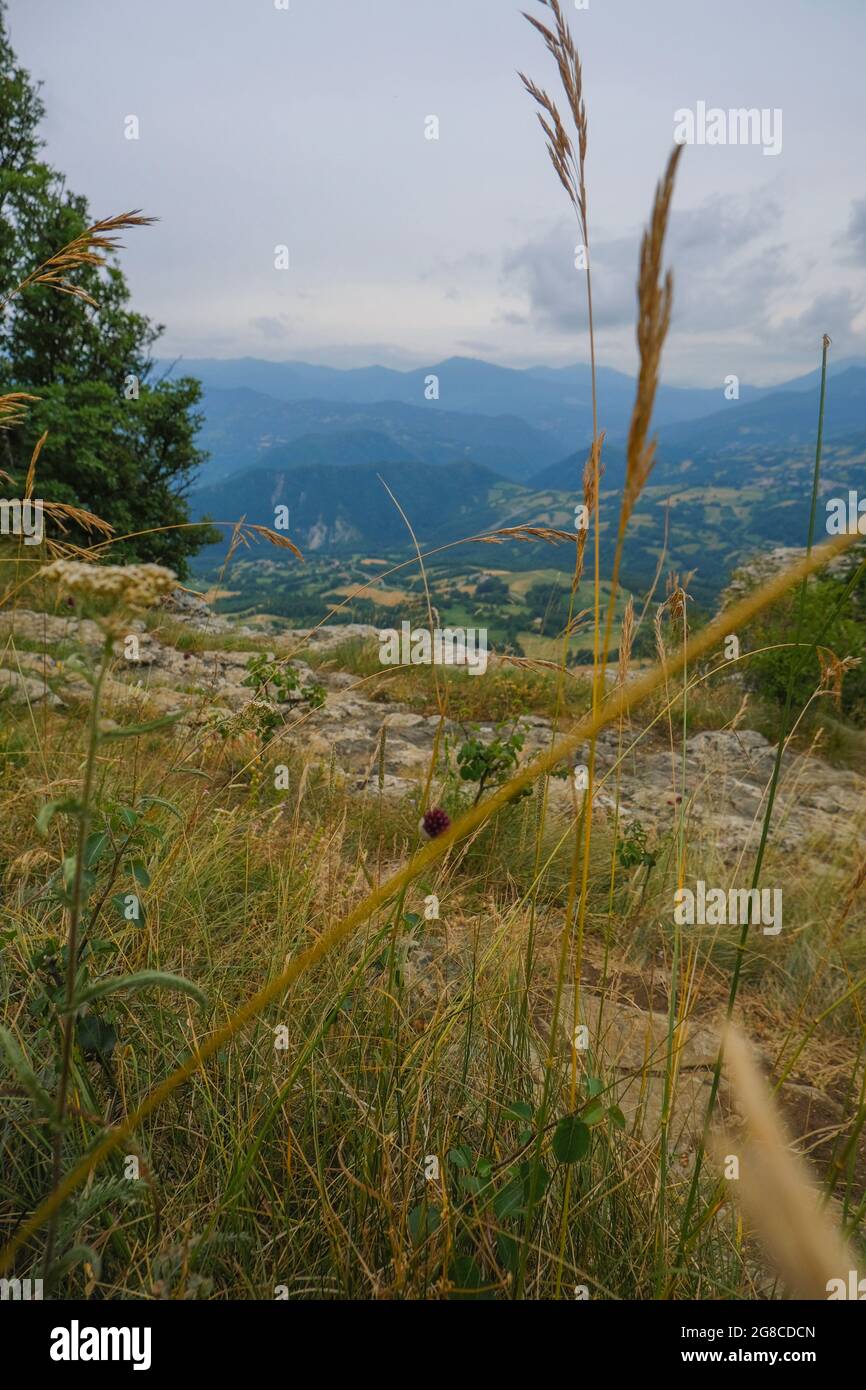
x=25, y=690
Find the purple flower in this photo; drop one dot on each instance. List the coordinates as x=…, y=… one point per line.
x=435, y=822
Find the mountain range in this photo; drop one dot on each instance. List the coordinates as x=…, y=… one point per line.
x=726, y=482
x=348, y=507
x=513, y=421
x=721, y=446
x=244, y=428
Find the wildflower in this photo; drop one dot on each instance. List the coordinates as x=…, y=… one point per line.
x=133, y=586
x=435, y=822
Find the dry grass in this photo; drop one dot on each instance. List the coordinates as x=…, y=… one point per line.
x=655, y=297
x=775, y=1189
x=91, y=248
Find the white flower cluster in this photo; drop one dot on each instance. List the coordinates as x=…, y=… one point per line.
x=134, y=586
x=231, y=724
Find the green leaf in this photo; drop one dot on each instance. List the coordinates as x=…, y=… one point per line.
x=424, y=1221
x=570, y=1140
x=145, y=828
x=143, y=979
x=148, y=801
x=461, y=1157
x=24, y=1073
x=508, y=1250
x=96, y=1036
x=510, y=1200
x=541, y=1180
x=466, y=1277
x=93, y=848
x=616, y=1117
x=135, y=730
x=68, y=873
x=78, y=1255
x=594, y=1114
x=519, y=1109
x=140, y=873
x=51, y=808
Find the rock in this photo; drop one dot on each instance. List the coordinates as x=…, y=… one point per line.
x=764, y=566
x=149, y=650
x=48, y=629
x=162, y=702
x=730, y=745
x=36, y=662
x=326, y=638
x=815, y=803
x=75, y=689
x=395, y=788
x=629, y=1046
x=405, y=721
x=189, y=608
x=634, y=1038
x=25, y=690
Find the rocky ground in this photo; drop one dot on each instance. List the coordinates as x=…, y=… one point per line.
x=819, y=808
x=726, y=772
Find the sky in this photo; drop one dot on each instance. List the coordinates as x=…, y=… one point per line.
x=304, y=127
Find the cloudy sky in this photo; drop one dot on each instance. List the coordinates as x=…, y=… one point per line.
x=305, y=127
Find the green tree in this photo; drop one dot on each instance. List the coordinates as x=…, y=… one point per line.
x=833, y=624
x=550, y=603
x=119, y=443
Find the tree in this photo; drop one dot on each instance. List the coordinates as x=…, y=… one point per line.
x=119, y=443
x=492, y=589
x=551, y=603
x=833, y=627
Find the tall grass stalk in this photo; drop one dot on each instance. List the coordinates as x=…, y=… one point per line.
x=569, y=164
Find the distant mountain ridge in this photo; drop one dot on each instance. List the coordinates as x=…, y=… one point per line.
x=344, y=448
x=724, y=485
x=555, y=401
x=334, y=507
x=244, y=429
x=720, y=448
x=722, y=489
